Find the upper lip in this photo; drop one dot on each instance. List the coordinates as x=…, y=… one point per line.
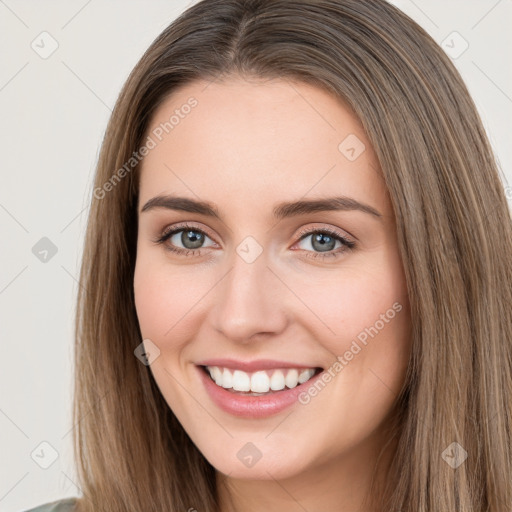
x=252, y=366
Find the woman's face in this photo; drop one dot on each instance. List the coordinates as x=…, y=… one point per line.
x=263, y=286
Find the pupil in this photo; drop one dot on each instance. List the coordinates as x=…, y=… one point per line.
x=192, y=237
x=324, y=245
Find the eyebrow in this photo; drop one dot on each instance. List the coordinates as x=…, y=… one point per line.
x=280, y=211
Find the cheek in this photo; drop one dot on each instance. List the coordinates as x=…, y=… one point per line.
x=157, y=299
x=370, y=346
x=353, y=305
x=363, y=319
x=166, y=299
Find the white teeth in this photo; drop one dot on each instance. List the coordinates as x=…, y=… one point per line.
x=292, y=378
x=227, y=379
x=260, y=381
x=216, y=374
x=241, y=380
x=305, y=375
x=277, y=381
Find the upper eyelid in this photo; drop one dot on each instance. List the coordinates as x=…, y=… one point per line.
x=184, y=226
x=302, y=233
x=342, y=233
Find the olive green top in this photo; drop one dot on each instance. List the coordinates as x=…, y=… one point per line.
x=65, y=505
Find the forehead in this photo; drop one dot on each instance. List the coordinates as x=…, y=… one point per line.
x=256, y=142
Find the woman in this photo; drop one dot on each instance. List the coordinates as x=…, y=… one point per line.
x=296, y=281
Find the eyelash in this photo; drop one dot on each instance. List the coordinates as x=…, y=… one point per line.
x=348, y=244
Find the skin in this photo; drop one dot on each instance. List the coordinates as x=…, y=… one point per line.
x=245, y=147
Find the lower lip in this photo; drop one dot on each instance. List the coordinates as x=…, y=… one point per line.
x=248, y=406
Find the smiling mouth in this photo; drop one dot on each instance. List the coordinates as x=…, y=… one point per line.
x=262, y=382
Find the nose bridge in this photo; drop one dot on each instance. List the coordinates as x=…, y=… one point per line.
x=247, y=303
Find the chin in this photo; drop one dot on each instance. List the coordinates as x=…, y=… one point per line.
x=258, y=460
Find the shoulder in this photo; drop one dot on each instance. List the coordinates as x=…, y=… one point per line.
x=65, y=505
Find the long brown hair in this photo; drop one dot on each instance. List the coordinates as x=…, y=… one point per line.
x=454, y=234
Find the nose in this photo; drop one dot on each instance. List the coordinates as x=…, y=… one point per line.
x=250, y=301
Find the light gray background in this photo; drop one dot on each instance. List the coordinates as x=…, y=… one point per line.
x=53, y=116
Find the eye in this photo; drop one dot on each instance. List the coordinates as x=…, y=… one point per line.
x=324, y=241
x=191, y=237
x=321, y=243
